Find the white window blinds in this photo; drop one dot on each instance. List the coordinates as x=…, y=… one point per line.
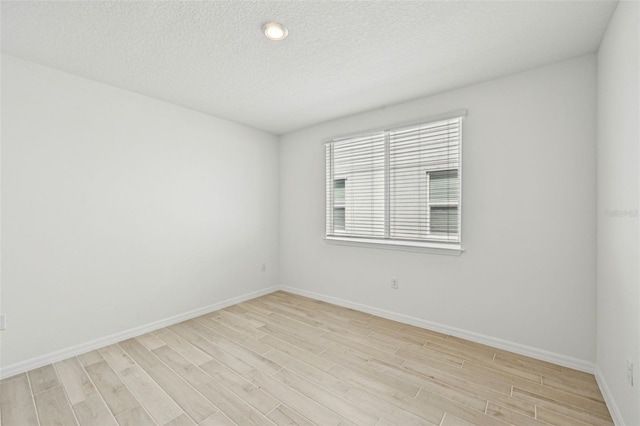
x=401, y=184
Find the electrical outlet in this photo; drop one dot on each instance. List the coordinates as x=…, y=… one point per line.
x=264, y=267
x=630, y=372
x=3, y=322
x=394, y=283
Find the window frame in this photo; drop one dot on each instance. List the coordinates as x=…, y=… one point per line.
x=434, y=244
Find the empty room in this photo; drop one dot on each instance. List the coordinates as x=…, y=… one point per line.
x=320, y=213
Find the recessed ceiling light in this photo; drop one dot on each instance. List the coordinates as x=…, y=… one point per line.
x=275, y=31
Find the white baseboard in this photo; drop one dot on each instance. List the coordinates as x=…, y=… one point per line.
x=530, y=351
x=40, y=361
x=608, y=397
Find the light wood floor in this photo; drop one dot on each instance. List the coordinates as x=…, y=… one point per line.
x=286, y=359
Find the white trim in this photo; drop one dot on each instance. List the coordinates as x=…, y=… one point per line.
x=429, y=247
x=42, y=360
x=616, y=416
x=530, y=351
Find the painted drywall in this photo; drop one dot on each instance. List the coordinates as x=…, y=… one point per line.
x=529, y=226
x=618, y=295
x=119, y=210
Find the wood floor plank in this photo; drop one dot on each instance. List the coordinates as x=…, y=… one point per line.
x=387, y=409
x=436, y=369
x=246, y=325
x=349, y=334
x=193, y=331
x=326, y=398
x=580, y=375
x=297, y=352
x=364, y=349
x=150, y=341
x=428, y=356
x=451, y=420
x=181, y=420
x=89, y=358
x=225, y=400
x=113, y=391
x=389, y=332
x=218, y=419
x=43, y=378
x=563, y=407
x=191, y=401
x=74, y=380
x=305, y=406
x=248, y=356
x=510, y=416
x=462, y=411
x=331, y=323
x=315, y=348
x=458, y=389
x=544, y=392
x=233, y=335
x=511, y=370
x=53, y=408
x=246, y=390
x=305, y=370
x=420, y=332
x=285, y=416
x=384, y=422
x=229, y=317
x=292, y=325
x=459, y=394
x=478, y=351
x=158, y=404
x=92, y=411
x=360, y=374
x=136, y=416
x=555, y=418
x=15, y=376
x=576, y=386
x=471, y=354
x=525, y=363
x=216, y=352
x=116, y=357
x=184, y=348
x=295, y=313
x=139, y=353
x=16, y=403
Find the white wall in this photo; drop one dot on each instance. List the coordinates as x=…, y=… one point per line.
x=119, y=210
x=529, y=223
x=618, y=190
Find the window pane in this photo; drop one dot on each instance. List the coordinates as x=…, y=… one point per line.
x=338, y=191
x=358, y=161
x=338, y=219
x=444, y=187
x=444, y=220
x=423, y=172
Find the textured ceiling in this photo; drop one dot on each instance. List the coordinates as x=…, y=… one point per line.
x=341, y=57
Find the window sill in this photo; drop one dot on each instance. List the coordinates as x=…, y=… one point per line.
x=428, y=247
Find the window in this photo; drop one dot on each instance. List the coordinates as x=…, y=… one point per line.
x=397, y=186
